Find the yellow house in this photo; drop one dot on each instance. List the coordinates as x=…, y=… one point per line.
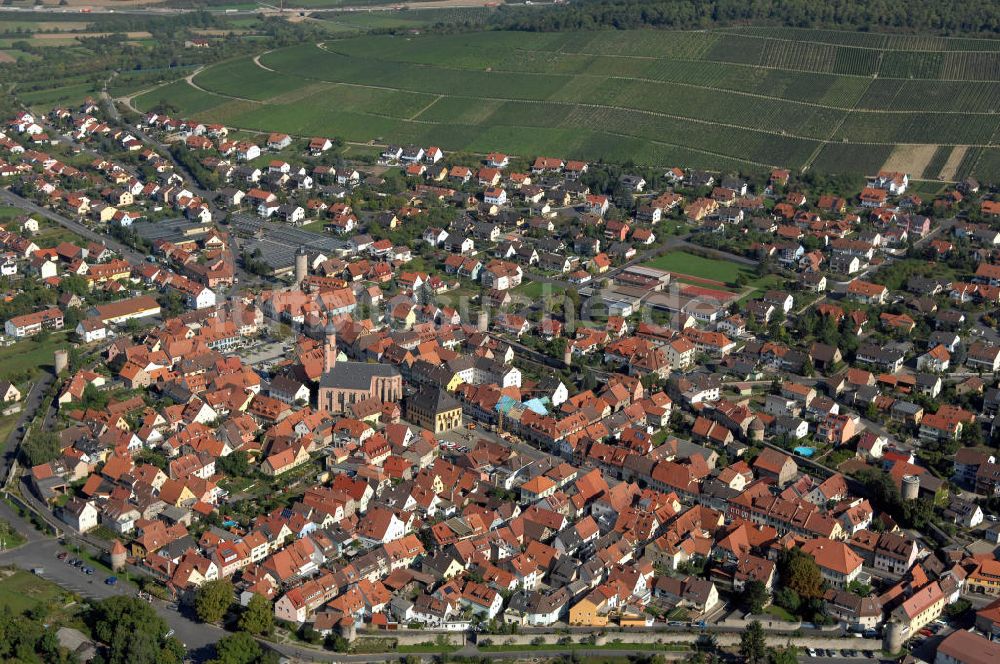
x=591, y=611
x=454, y=383
x=107, y=213
x=454, y=569
x=283, y=461
x=177, y=493
x=921, y=607
x=986, y=578
x=434, y=409
x=632, y=619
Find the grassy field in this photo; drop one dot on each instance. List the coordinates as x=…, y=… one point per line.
x=699, y=266
x=32, y=354
x=836, y=102
x=534, y=289
x=22, y=590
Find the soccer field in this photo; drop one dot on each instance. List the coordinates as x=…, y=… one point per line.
x=725, y=99
x=699, y=266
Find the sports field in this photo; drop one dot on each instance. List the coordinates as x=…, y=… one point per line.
x=700, y=267
x=724, y=99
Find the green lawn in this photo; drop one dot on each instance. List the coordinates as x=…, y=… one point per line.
x=22, y=590
x=9, y=536
x=536, y=289
x=32, y=354
x=7, y=424
x=699, y=266
x=8, y=212
x=780, y=613
x=315, y=226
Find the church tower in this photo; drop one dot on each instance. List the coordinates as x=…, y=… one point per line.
x=330, y=348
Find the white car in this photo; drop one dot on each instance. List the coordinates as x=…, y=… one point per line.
x=812, y=653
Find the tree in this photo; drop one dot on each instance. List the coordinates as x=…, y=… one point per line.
x=787, y=598
x=40, y=447
x=134, y=632
x=213, y=599
x=801, y=573
x=337, y=643
x=258, y=616
x=93, y=398
x=787, y=655
x=755, y=596
x=238, y=648
x=706, y=642
x=753, y=646
x=236, y=464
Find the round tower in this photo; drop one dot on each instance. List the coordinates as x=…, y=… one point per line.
x=911, y=487
x=756, y=430
x=347, y=628
x=894, y=637
x=118, y=556
x=330, y=348
x=61, y=361
x=301, y=266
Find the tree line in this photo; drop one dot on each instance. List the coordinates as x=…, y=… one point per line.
x=937, y=16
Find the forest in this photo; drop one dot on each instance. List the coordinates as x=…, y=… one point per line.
x=935, y=16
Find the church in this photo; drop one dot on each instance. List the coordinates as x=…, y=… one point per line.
x=346, y=383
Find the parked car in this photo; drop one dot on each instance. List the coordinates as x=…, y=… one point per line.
x=62, y=555
x=111, y=580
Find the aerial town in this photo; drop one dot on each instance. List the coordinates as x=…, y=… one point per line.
x=457, y=405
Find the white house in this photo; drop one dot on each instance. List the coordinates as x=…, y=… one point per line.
x=81, y=514
x=247, y=151
x=91, y=329
x=203, y=299
x=495, y=196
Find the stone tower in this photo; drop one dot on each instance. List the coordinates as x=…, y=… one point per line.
x=894, y=637
x=330, y=348
x=301, y=266
x=61, y=361
x=118, y=555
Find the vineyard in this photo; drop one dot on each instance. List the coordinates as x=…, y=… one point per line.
x=747, y=98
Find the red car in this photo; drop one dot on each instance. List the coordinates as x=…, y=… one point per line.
x=62, y=556
x=925, y=632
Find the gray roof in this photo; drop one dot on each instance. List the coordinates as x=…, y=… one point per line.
x=434, y=400
x=356, y=375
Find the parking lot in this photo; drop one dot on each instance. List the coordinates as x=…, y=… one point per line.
x=264, y=353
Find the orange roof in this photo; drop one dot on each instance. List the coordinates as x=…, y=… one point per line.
x=833, y=555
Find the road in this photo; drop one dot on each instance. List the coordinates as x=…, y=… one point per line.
x=13, y=199
x=29, y=408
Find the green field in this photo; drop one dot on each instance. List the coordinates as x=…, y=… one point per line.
x=699, y=266
x=32, y=354
x=22, y=590
x=733, y=99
